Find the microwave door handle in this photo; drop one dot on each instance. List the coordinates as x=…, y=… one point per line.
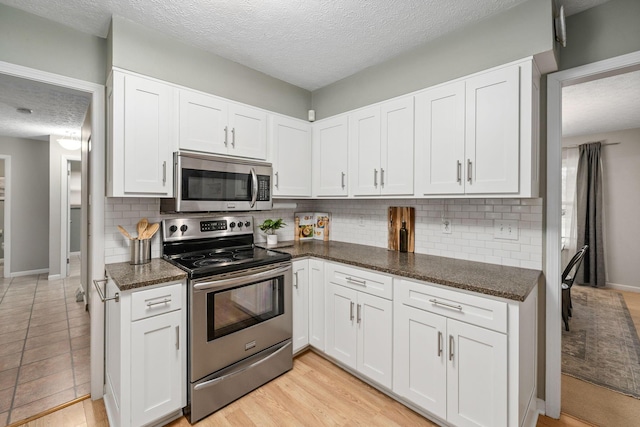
x=254, y=187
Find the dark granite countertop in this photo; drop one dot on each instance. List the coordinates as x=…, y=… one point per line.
x=127, y=276
x=513, y=283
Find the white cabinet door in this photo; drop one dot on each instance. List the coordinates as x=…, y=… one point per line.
x=330, y=157
x=364, y=152
x=149, y=122
x=291, y=157
x=300, y=304
x=476, y=376
x=420, y=358
x=248, y=132
x=316, y=304
x=203, y=119
x=341, y=330
x=375, y=328
x=156, y=367
x=493, y=131
x=440, y=125
x=397, y=147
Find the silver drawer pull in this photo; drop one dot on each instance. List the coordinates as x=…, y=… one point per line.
x=360, y=282
x=164, y=301
x=444, y=304
x=351, y=311
x=450, y=347
x=439, y=343
x=359, y=318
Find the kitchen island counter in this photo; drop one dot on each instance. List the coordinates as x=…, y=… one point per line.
x=512, y=283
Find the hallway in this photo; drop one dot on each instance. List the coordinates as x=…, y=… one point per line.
x=44, y=344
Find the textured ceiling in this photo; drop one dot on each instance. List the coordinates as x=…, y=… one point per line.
x=56, y=111
x=309, y=43
x=604, y=105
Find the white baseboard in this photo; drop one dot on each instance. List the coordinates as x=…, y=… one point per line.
x=626, y=288
x=536, y=409
x=75, y=253
x=29, y=272
x=54, y=277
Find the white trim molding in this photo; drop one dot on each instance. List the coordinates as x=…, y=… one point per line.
x=97, y=197
x=552, y=264
x=7, y=215
x=30, y=272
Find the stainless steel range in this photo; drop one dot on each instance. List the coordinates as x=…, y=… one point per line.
x=239, y=302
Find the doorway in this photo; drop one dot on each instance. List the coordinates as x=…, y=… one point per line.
x=553, y=266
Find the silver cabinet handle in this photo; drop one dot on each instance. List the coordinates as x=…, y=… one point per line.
x=295, y=273
x=450, y=347
x=164, y=301
x=381, y=177
x=351, y=311
x=359, y=314
x=439, y=343
x=359, y=282
x=375, y=177
x=115, y=298
x=444, y=304
x=178, y=337
x=233, y=137
x=277, y=184
x=164, y=172
x=469, y=170
x=459, y=166
x=343, y=174
x=226, y=136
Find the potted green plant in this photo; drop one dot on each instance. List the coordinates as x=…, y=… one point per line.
x=269, y=226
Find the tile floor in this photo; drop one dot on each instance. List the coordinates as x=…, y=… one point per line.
x=44, y=344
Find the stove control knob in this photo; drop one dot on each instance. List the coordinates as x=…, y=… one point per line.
x=246, y=224
x=232, y=225
x=173, y=228
x=240, y=224
x=183, y=228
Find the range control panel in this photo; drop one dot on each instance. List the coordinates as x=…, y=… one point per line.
x=175, y=229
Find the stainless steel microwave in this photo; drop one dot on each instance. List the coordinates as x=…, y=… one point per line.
x=207, y=183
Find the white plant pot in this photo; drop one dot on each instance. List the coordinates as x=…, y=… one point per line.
x=272, y=239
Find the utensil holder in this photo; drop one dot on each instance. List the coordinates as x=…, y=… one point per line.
x=140, y=251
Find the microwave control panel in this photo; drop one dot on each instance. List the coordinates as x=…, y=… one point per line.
x=264, y=188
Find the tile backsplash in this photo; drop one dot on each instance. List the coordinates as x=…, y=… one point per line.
x=365, y=222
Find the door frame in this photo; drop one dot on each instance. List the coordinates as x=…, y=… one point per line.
x=7, y=214
x=65, y=161
x=97, y=200
x=552, y=265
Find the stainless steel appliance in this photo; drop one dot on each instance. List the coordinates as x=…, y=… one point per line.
x=206, y=183
x=239, y=309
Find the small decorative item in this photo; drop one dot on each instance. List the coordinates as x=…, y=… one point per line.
x=311, y=225
x=269, y=226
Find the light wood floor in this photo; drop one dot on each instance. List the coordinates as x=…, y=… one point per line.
x=314, y=393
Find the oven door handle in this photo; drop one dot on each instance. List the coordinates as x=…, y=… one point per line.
x=241, y=370
x=254, y=187
x=225, y=283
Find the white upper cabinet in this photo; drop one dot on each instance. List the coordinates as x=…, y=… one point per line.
x=214, y=125
x=291, y=156
x=330, y=157
x=141, y=122
x=381, y=149
x=479, y=135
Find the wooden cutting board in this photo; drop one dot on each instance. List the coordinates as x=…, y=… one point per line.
x=396, y=216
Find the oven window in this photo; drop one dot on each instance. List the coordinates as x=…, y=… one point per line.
x=216, y=186
x=235, y=309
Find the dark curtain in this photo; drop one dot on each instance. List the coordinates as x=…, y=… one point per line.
x=589, y=214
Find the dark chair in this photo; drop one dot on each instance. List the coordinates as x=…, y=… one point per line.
x=568, y=276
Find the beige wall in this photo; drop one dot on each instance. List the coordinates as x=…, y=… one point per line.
x=620, y=179
x=39, y=43
x=149, y=52
x=522, y=31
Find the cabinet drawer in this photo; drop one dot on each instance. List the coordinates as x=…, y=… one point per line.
x=360, y=280
x=156, y=301
x=476, y=310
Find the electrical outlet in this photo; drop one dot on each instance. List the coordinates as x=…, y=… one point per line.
x=446, y=226
x=506, y=229
x=361, y=220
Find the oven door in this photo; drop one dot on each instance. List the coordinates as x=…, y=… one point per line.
x=237, y=315
x=211, y=183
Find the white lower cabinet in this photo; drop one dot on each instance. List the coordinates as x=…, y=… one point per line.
x=145, y=366
x=316, y=304
x=300, y=302
x=359, y=330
